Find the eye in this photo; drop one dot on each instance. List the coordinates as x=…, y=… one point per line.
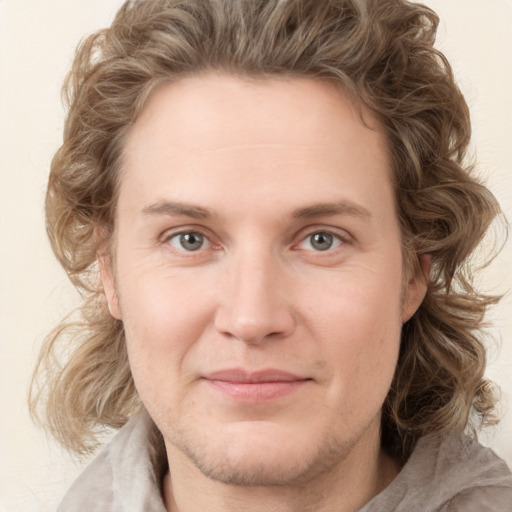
x=321, y=241
x=190, y=241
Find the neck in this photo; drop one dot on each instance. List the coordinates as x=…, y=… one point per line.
x=362, y=474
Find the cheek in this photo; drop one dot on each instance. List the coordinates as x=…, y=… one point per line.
x=357, y=303
x=162, y=308
x=359, y=323
x=162, y=320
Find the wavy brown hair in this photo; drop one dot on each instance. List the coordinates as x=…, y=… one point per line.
x=381, y=53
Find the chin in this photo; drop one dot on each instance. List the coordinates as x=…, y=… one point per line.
x=261, y=455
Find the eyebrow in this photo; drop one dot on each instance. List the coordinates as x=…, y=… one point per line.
x=174, y=208
x=315, y=210
x=343, y=207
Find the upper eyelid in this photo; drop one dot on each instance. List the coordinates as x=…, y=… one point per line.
x=340, y=233
x=168, y=234
x=164, y=241
x=171, y=232
x=343, y=240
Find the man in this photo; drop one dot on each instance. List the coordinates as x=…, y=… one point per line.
x=267, y=207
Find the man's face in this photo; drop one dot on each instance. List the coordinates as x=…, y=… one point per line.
x=259, y=275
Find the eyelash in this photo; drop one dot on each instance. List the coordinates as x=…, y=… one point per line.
x=336, y=236
x=170, y=236
x=342, y=240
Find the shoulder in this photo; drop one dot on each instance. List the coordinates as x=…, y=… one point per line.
x=449, y=473
x=92, y=490
x=491, y=498
x=124, y=476
x=482, y=482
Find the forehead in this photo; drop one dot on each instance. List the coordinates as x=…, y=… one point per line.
x=271, y=139
x=196, y=111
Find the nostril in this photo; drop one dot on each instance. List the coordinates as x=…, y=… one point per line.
x=252, y=331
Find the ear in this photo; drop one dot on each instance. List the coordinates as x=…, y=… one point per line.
x=105, y=265
x=416, y=288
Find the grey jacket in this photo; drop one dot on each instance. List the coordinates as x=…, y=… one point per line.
x=449, y=474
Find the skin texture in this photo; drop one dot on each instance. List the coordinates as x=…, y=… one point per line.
x=287, y=198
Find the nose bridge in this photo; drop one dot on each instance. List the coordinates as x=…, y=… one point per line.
x=254, y=304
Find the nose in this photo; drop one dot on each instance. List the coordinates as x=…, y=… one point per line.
x=254, y=305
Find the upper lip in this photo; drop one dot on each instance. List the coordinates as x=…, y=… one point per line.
x=241, y=375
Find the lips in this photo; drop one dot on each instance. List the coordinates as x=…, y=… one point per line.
x=259, y=386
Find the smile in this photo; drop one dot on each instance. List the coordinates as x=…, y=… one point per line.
x=255, y=387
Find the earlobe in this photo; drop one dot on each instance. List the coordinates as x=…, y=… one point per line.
x=416, y=288
x=108, y=282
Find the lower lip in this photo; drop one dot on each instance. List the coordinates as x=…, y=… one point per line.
x=256, y=392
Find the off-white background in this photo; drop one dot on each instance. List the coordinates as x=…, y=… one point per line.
x=37, y=39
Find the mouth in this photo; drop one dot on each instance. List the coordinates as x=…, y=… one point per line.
x=255, y=387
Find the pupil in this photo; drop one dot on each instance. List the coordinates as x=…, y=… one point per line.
x=191, y=241
x=322, y=241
